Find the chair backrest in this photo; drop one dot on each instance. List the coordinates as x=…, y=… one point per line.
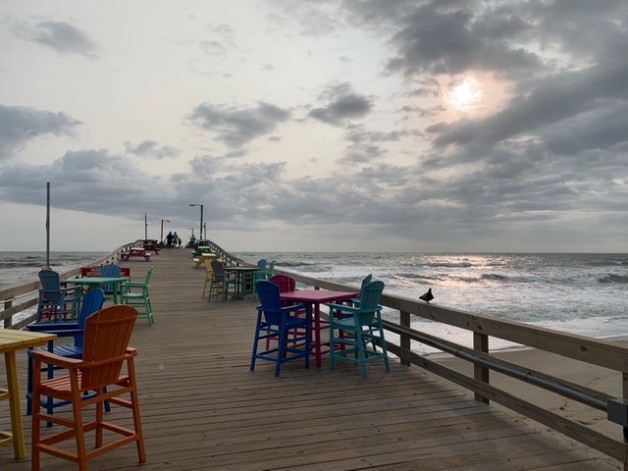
x=110, y=270
x=50, y=284
x=261, y=264
x=284, y=282
x=149, y=273
x=92, y=302
x=107, y=334
x=370, y=295
x=209, y=272
x=219, y=272
x=366, y=280
x=271, y=267
x=270, y=302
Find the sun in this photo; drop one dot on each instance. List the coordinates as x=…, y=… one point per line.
x=465, y=96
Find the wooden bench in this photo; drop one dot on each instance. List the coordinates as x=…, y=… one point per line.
x=136, y=252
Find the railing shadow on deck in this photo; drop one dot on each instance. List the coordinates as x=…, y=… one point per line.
x=584, y=349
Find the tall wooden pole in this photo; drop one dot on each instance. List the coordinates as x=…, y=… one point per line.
x=48, y=224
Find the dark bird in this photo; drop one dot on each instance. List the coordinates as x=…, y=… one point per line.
x=427, y=297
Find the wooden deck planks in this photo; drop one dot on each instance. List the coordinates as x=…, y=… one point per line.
x=202, y=409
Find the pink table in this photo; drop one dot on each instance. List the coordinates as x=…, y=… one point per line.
x=315, y=297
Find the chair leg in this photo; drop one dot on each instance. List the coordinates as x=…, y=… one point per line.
x=35, y=427
x=280, y=348
x=80, y=434
x=135, y=406
x=149, y=310
x=99, y=420
x=331, y=345
x=360, y=350
x=255, y=341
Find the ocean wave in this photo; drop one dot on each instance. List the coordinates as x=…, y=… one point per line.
x=420, y=277
x=612, y=278
x=449, y=265
x=294, y=264
x=21, y=264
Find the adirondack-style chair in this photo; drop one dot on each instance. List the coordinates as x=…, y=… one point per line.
x=137, y=294
x=110, y=270
x=276, y=321
x=221, y=281
x=92, y=302
x=364, y=324
x=107, y=332
x=56, y=303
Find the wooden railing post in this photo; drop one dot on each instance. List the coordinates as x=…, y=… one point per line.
x=404, y=340
x=480, y=373
x=624, y=386
x=8, y=303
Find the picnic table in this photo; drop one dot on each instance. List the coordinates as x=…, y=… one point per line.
x=136, y=252
x=151, y=248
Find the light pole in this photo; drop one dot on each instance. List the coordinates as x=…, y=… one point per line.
x=201, y=230
x=162, y=229
x=145, y=229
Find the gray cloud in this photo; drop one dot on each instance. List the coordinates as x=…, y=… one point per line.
x=19, y=125
x=62, y=37
x=151, y=149
x=236, y=127
x=342, y=105
x=82, y=181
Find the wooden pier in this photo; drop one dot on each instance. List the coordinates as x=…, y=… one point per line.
x=202, y=409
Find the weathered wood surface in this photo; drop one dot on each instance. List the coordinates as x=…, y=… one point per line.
x=202, y=409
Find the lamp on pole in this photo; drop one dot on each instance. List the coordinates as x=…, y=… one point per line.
x=162, y=229
x=201, y=229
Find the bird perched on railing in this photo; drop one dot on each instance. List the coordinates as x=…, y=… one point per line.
x=428, y=296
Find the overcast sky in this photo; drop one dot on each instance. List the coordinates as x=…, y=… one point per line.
x=344, y=125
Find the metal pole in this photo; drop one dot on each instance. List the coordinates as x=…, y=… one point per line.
x=162, y=229
x=145, y=229
x=200, y=235
x=48, y=224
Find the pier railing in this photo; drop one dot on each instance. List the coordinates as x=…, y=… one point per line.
x=17, y=299
x=481, y=330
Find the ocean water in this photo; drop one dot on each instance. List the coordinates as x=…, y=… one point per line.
x=17, y=268
x=582, y=294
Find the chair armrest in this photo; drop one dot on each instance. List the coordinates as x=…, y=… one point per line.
x=342, y=307
x=70, y=288
x=68, y=332
x=296, y=307
x=51, y=327
x=134, y=284
x=50, y=358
